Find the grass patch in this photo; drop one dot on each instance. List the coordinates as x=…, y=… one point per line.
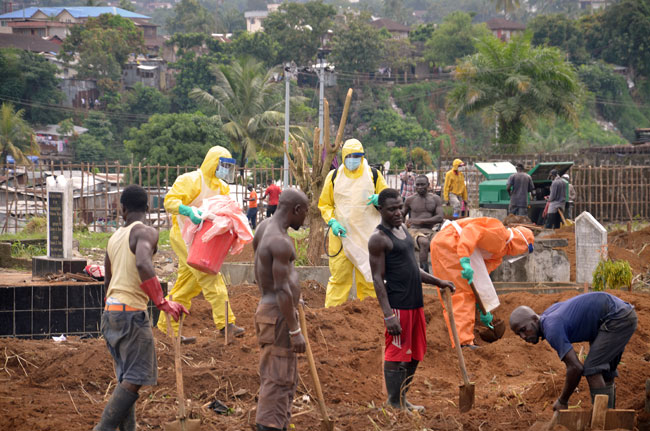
x=92, y=239
x=26, y=251
x=13, y=237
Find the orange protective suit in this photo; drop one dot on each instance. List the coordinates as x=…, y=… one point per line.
x=447, y=247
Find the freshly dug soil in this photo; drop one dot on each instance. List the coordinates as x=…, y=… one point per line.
x=246, y=255
x=621, y=245
x=64, y=386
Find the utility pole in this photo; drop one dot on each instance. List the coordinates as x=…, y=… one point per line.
x=289, y=70
x=322, y=52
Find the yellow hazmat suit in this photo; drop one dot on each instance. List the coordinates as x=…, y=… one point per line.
x=455, y=183
x=493, y=240
x=190, y=189
x=346, y=201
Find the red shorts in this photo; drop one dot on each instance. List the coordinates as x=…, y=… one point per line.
x=411, y=344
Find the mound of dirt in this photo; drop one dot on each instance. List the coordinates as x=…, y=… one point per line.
x=56, y=386
x=621, y=245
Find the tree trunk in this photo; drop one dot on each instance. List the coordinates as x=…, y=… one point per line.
x=316, y=234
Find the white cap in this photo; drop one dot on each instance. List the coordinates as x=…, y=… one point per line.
x=566, y=176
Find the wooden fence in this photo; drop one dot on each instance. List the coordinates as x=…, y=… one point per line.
x=609, y=193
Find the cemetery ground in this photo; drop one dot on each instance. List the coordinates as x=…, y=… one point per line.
x=47, y=385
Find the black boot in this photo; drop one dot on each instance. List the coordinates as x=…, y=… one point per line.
x=128, y=423
x=610, y=391
x=265, y=428
x=410, y=371
x=117, y=409
x=394, y=381
x=612, y=395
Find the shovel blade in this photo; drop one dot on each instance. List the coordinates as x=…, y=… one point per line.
x=184, y=425
x=492, y=335
x=466, y=397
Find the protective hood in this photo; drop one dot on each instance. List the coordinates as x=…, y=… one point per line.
x=521, y=238
x=210, y=164
x=457, y=163
x=352, y=146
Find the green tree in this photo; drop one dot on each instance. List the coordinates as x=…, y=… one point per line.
x=396, y=10
x=143, y=100
x=421, y=158
x=230, y=20
x=357, y=47
x=248, y=104
x=422, y=32
x=612, y=98
x=516, y=84
x=104, y=45
x=259, y=45
x=175, y=139
x=622, y=35
x=562, y=32
x=127, y=5
x=190, y=17
x=454, y=39
x=16, y=137
x=27, y=76
x=387, y=125
x=399, y=55
x=506, y=6
x=98, y=143
x=298, y=29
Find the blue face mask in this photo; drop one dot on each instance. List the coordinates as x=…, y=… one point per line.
x=352, y=163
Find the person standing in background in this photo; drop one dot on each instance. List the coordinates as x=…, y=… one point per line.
x=455, y=192
x=273, y=193
x=251, y=214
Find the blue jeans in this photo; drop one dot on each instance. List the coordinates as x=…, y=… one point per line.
x=252, y=217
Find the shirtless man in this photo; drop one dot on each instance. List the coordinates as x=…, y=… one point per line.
x=276, y=319
x=398, y=284
x=425, y=212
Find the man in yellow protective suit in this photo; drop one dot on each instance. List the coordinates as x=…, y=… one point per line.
x=183, y=200
x=466, y=251
x=347, y=204
x=455, y=192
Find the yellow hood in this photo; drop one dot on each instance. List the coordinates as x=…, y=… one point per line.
x=352, y=146
x=210, y=164
x=457, y=163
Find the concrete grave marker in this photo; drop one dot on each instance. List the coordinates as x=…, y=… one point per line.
x=59, y=217
x=591, y=246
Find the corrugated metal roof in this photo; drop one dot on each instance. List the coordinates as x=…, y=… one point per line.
x=76, y=11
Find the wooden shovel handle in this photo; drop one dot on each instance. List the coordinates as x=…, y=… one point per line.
x=178, y=365
x=479, y=301
x=312, y=365
x=452, y=324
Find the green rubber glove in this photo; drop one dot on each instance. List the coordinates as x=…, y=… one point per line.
x=467, y=273
x=191, y=212
x=337, y=228
x=486, y=319
x=373, y=200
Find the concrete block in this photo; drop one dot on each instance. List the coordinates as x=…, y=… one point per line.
x=496, y=213
x=545, y=264
x=591, y=246
x=238, y=273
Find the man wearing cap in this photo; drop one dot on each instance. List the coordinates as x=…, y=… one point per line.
x=455, y=192
x=556, y=200
x=519, y=185
x=347, y=204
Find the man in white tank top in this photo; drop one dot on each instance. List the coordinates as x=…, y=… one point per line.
x=131, y=281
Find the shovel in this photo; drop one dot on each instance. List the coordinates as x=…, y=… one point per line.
x=326, y=423
x=565, y=222
x=498, y=327
x=466, y=390
x=182, y=423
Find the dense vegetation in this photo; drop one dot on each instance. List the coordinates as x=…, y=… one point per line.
x=553, y=89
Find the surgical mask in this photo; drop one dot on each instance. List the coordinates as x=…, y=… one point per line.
x=352, y=163
x=226, y=169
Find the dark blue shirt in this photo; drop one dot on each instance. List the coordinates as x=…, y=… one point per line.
x=579, y=318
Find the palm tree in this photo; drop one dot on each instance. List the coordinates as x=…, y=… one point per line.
x=16, y=137
x=506, y=6
x=249, y=105
x=516, y=84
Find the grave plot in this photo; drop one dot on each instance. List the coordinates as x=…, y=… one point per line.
x=56, y=386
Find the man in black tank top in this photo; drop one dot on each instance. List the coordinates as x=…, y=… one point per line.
x=398, y=279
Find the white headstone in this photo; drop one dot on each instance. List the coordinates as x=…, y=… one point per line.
x=591, y=246
x=59, y=217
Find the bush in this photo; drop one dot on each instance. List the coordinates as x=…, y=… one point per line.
x=612, y=275
x=36, y=225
